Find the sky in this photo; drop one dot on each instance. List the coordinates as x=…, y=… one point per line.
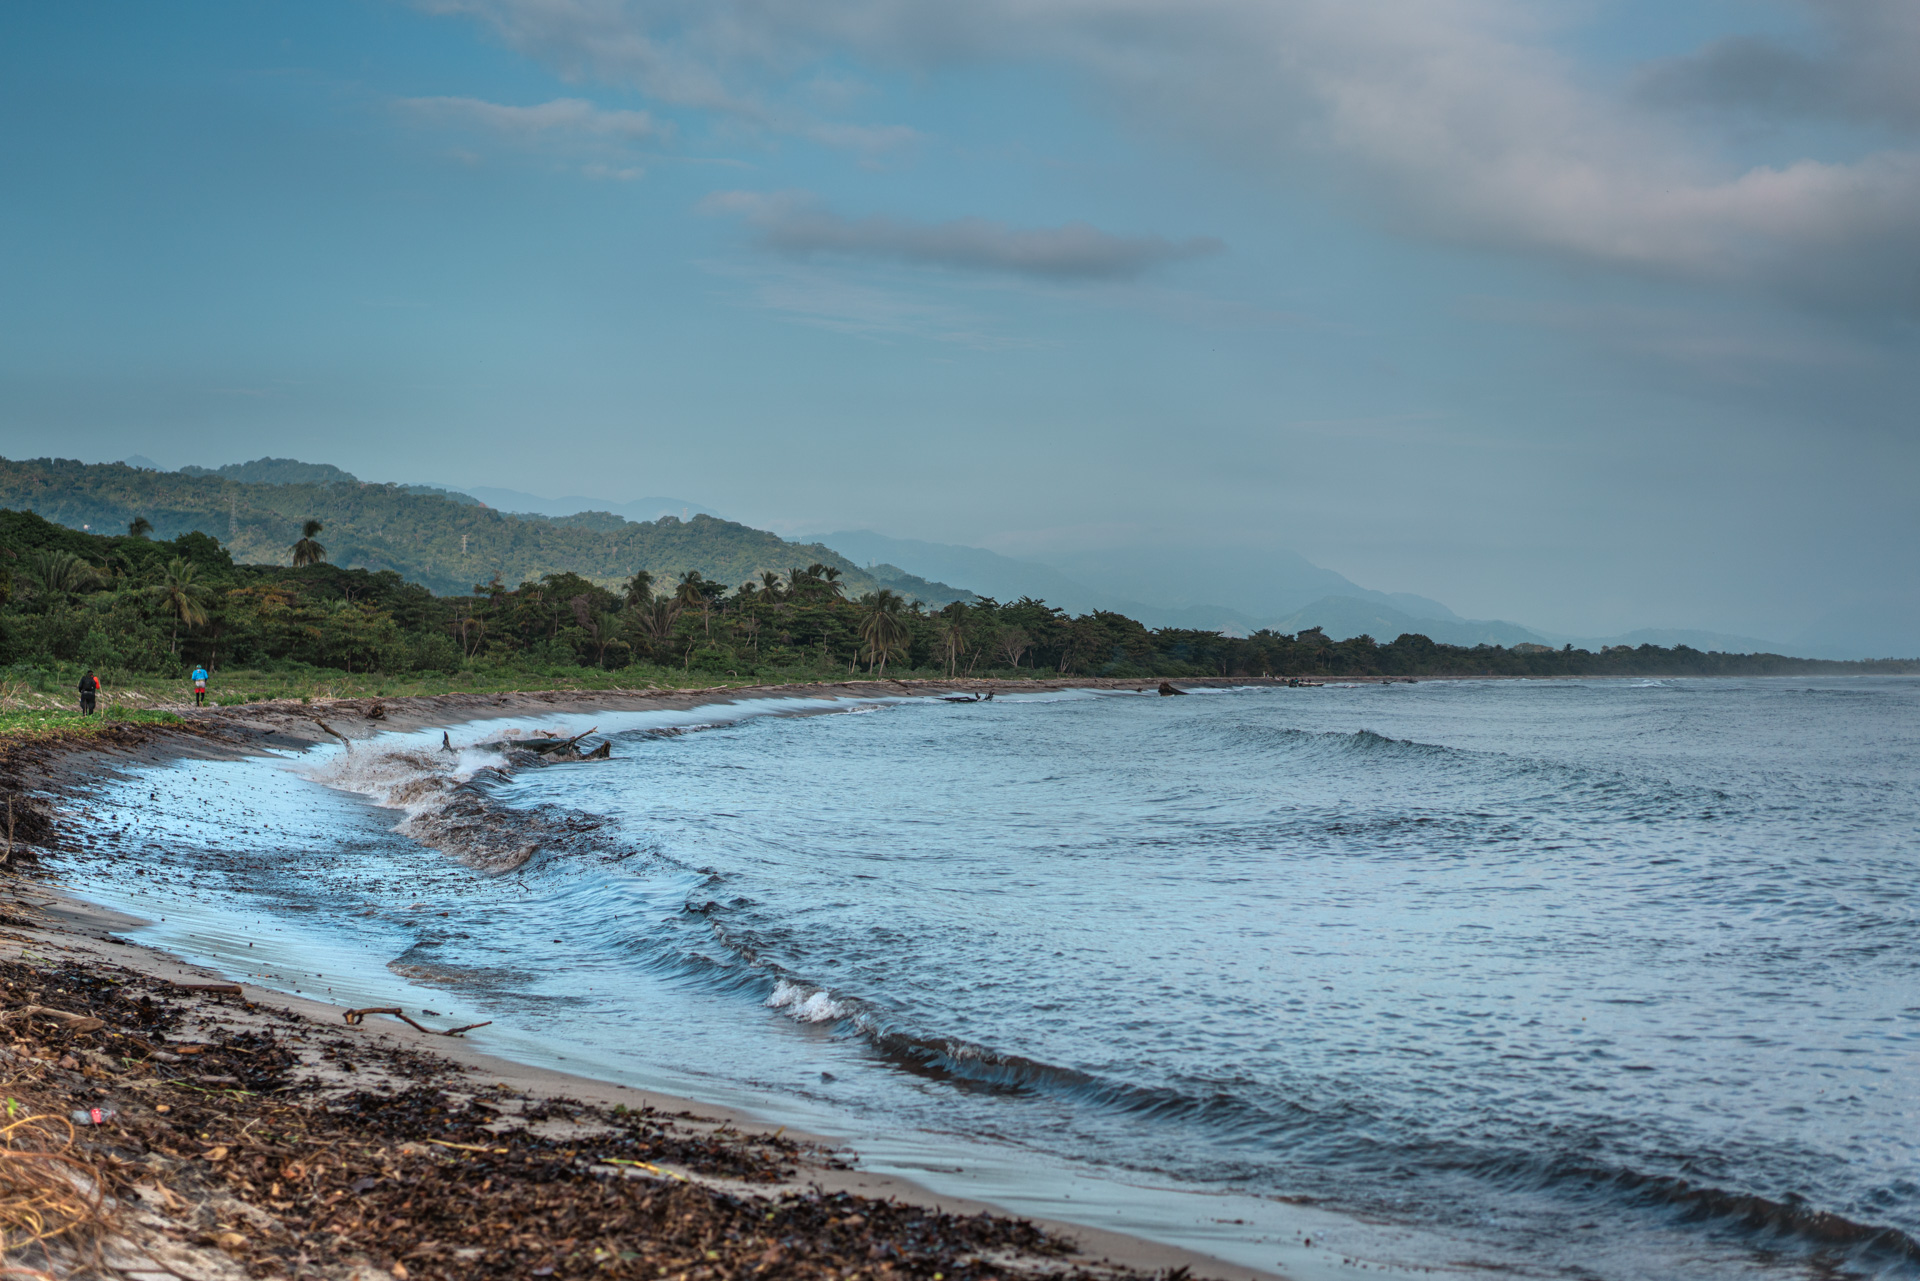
x=1593, y=315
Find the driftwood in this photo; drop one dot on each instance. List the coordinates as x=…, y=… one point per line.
x=547, y=747
x=552, y=748
x=74, y=1022
x=1167, y=689
x=336, y=733
x=354, y=1017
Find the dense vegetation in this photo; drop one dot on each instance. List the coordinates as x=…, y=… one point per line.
x=131, y=604
x=445, y=542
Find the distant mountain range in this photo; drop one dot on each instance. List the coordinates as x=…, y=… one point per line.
x=1310, y=597
x=1317, y=597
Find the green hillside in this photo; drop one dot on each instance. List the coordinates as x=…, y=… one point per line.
x=443, y=542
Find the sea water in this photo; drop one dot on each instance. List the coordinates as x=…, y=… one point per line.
x=1567, y=979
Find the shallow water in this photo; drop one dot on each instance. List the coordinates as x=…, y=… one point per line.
x=1582, y=979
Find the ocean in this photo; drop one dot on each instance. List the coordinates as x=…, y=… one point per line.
x=1581, y=979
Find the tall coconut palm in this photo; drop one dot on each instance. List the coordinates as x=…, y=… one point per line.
x=180, y=597
x=139, y=527
x=308, y=550
x=882, y=628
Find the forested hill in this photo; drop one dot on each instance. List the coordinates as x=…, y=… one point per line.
x=445, y=543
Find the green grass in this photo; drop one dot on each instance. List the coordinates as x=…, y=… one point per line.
x=38, y=704
x=125, y=692
x=46, y=726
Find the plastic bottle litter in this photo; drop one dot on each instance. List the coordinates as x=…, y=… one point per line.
x=93, y=1116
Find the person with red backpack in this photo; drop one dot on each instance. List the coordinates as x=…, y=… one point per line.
x=89, y=691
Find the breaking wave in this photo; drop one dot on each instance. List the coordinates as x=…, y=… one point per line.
x=806, y=1004
x=443, y=799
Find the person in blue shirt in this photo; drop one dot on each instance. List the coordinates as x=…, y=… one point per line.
x=199, y=686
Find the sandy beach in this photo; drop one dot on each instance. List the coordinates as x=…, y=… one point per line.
x=260, y=1133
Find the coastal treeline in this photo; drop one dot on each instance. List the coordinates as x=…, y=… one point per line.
x=134, y=605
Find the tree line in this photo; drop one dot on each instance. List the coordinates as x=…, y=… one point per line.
x=138, y=605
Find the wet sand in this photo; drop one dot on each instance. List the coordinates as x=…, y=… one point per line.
x=789, y=1177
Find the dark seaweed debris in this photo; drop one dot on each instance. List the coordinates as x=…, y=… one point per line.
x=415, y=1171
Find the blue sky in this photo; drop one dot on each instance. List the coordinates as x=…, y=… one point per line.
x=1593, y=315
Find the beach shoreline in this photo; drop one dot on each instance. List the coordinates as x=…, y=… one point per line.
x=88, y=935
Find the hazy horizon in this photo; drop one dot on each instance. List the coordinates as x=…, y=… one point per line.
x=1595, y=319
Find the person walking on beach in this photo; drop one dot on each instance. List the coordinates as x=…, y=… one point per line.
x=199, y=686
x=89, y=691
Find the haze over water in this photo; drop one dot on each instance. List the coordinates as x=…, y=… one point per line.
x=1581, y=979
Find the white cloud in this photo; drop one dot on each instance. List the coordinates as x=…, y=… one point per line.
x=1451, y=119
x=569, y=118
x=614, y=173
x=791, y=223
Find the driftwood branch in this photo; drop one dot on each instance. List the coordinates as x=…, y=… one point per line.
x=354, y=1017
x=336, y=733
x=76, y=1022
x=557, y=745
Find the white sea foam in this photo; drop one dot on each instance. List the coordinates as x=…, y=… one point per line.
x=425, y=785
x=806, y=1004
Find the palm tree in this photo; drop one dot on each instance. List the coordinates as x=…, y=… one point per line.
x=697, y=593
x=64, y=575
x=139, y=527
x=308, y=550
x=952, y=635
x=603, y=633
x=882, y=628
x=770, y=584
x=180, y=596
x=640, y=588
x=654, y=621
